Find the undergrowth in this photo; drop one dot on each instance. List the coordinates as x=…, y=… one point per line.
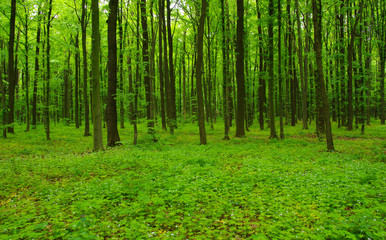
x=248, y=188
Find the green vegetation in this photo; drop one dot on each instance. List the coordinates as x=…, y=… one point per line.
x=248, y=188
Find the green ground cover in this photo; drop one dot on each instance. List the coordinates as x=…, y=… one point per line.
x=250, y=188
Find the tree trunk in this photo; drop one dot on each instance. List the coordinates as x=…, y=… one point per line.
x=271, y=110
x=161, y=65
x=317, y=20
x=350, y=70
x=240, y=116
x=48, y=76
x=148, y=83
x=37, y=69
x=225, y=70
x=302, y=78
x=261, y=89
x=121, y=50
x=199, y=67
x=85, y=71
x=11, y=69
x=172, y=78
x=280, y=72
x=27, y=70
x=112, y=118
x=96, y=102
x=77, y=66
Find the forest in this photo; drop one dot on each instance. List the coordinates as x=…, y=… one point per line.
x=192, y=119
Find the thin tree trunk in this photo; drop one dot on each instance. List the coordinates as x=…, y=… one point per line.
x=240, y=117
x=96, y=96
x=225, y=70
x=145, y=56
x=350, y=71
x=317, y=20
x=112, y=118
x=37, y=69
x=11, y=69
x=271, y=109
x=302, y=78
x=172, y=78
x=280, y=73
x=47, y=95
x=161, y=65
x=85, y=71
x=27, y=69
x=261, y=89
x=77, y=67
x=199, y=67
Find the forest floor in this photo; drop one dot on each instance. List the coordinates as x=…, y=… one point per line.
x=249, y=188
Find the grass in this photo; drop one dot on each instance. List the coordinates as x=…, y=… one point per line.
x=249, y=188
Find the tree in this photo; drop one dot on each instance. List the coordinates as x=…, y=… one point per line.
x=199, y=67
x=37, y=70
x=96, y=99
x=317, y=20
x=11, y=69
x=112, y=116
x=84, y=21
x=240, y=115
x=148, y=82
x=46, y=111
x=271, y=112
x=225, y=71
x=350, y=70
x=302, y=75
x=172, y=78
x=280, y=72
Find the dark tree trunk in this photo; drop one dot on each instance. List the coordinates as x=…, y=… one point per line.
x=240, y=116
x=85, y=71
x=271, y=109
x=77, y=66
x=199, y=67
x=280, y=73
x=317, y=20
x=225, y=70
x=161, y=65
x=148, y=83
x=11, y=69
x=112, y=118
x=172, y=78
x=261, y=70
x=48, y=76
x=96, y=103
x=36, y=77
x=302, y=78
x=27, y=78
x=350, y=71
x=121, y=50
x=183, y=77
x=3, y=92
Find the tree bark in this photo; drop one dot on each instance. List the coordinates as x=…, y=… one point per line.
x=317, y=20
x=172, y=78
x=271, y=110
x=11, y=70
x=199, y=67
x=161, y=65
x=280, y=72
x=148, y=83
x=112, y=116
x=240, y=116
x=85, y=71
x=27, y=70
x=225, y=72
x=48, y=76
